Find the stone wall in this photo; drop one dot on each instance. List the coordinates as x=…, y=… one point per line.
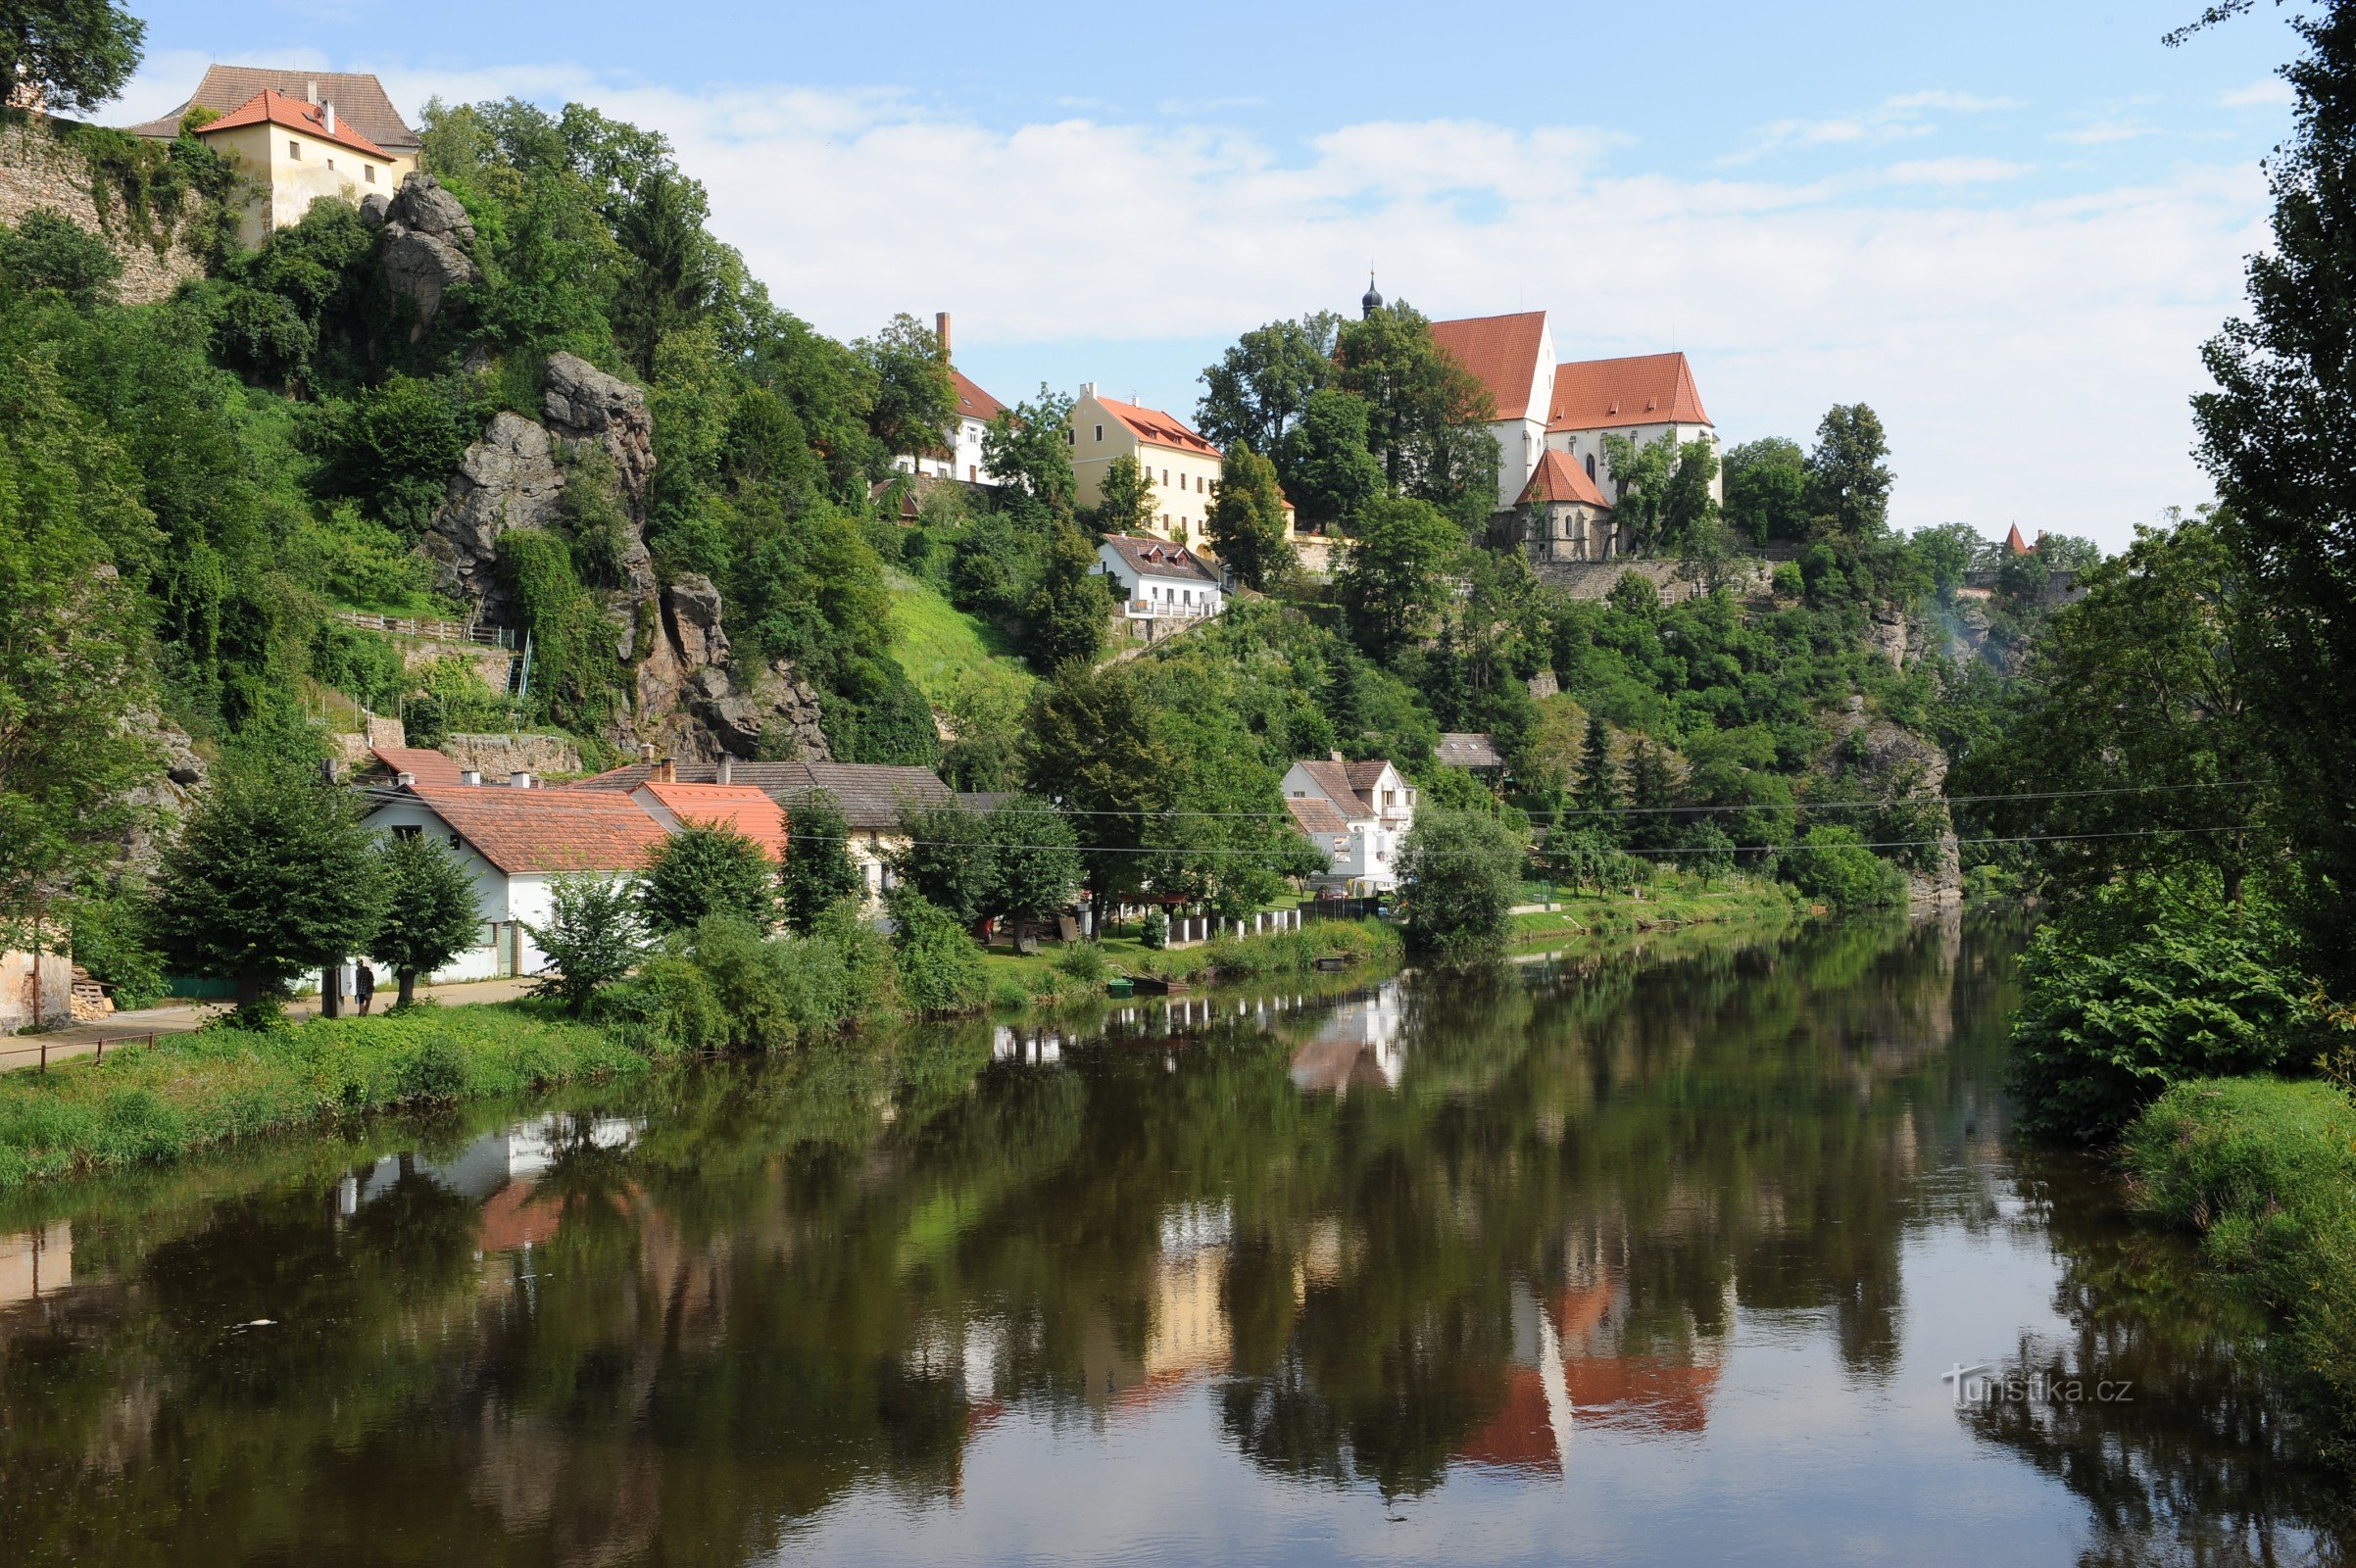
x=1595, y=579
x=16, y=991
x=36, y=169
x=495, y=757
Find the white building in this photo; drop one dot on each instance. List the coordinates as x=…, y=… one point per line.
x=961, y=458
x=1159, y=580
x=1569, y=407
x=1359, y=814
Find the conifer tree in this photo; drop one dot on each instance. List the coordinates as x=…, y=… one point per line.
x=1599, y=794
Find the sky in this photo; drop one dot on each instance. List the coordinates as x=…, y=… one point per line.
x=2008, y=227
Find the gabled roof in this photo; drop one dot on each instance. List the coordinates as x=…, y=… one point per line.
x=523, y=831
x=972, y=402
x=1334, y=779
x=357, y=95
x=2014, y=544
x=1562, y=477
x=742, y=807
x=422, y=762
x=273, y=107
x=1640, y=389
x=1459, y=749
x=1365, y=775
x=870, y=793
x=1158, y=558
x=1314, y=814
x=1156, y=428
x=1502, y=353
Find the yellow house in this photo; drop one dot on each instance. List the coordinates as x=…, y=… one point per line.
x=1180, y=467
x=292, y=152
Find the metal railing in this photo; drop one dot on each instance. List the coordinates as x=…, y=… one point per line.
x=67, y=1050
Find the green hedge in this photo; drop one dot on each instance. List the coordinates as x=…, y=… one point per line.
x=193, y=1091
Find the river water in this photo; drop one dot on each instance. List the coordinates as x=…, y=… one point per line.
x=1675, y=1256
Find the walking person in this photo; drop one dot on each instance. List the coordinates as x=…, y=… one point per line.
x=363, y=987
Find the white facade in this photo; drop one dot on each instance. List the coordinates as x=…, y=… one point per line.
x=962, y=462
x=1147, y=594
x=1585, y=448
x=1522, y=442
x=1377, y=813
x=504, y=902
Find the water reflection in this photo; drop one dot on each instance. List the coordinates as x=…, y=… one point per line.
x=1684, y=1236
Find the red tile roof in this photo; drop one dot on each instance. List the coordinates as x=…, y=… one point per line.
x=972, y=402
x=422, y=763
x=354, y=93
x=1334, y=779
x=1158, y=558
x=1501, y=352
x=547, y=830
x=274, y=108
x=739, y=806
x=1156, y=428
x=1314, y=814
x=1562, y=477
x=1640, y=389
x=2014, y=544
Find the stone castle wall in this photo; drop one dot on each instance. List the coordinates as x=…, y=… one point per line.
x=36, y=169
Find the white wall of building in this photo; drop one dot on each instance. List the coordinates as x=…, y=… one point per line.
x=1584, y=445
x=1145, y=594
x=503, y=903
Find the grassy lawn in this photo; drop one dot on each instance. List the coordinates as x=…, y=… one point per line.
x=944, y=649
x=1674, y=899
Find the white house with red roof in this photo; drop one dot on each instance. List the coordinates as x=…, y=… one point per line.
x=961, y=459
x=1159, y=580
x=1542, y=406
x=1359, y=814
x=294, y=151
x=1181, y=468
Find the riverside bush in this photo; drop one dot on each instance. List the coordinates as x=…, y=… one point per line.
x=2265, y=1170
x=2144, y=986
x=192, y=1091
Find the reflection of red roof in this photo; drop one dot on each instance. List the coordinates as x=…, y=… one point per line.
x=1640, y=389
x=509, y=1219
x=1562, y=477
x=739, y=806
x=1156, y=428
x=1500, y=351
x=1640, y=1392
x=1519, y=1437
x=1158, y=1388
x=273, y=107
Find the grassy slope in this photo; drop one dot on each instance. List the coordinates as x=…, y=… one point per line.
x=943, y=649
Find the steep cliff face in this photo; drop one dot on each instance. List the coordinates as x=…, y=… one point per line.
x=691, y=694
x=427, y=247
x=1903, y=763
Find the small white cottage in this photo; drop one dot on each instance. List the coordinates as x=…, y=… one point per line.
x=1159, y=580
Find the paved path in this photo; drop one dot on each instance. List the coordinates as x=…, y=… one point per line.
x=25, y=1050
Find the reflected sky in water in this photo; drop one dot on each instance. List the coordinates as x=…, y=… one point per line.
x=1653, y=1257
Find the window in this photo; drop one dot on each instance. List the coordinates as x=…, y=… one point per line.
x=972, y=473
x=1166, y=476
x=1071, y=437
x=367, y=173
x=1198, y=484
x=409, y=832
x=1591, y=465
x=330, y=162
x=1100, y=433
x=294, y=151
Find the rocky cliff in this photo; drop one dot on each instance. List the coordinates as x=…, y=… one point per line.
x=691, y=694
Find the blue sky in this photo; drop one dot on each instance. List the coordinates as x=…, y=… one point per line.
x=2007, y=227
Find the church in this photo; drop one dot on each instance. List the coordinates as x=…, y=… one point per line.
x=1550, y=418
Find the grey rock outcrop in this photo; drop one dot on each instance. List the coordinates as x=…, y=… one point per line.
x=585, y=404
x=692, y=606
x=427, y=249
x=508, y=479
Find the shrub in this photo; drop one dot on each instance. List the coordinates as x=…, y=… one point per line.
x=1461, y=870
x=1788, y=580
x=1084, y=961
x=1832, y=867
x=705, y=870
x=592, y=939
x=2144, y=986
x=1156, y=933
x=940, y=969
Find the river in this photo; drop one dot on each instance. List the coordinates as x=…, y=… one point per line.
x=1711, y=1249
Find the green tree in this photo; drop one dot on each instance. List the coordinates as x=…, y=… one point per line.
x=1832, y=867
x=1662, y=489
x=1461, y=870
x=48, y=249
x=1326, y=464
x=1651, y=825
x=949, y=859
x=74, y=54
x=817, y=872
x=1125, y=501
x=1848, y=476
x=1767, y=490
x=1070, y=610
x=1035, y=864
x=1392, y=578
x=2279, y=435
x=1597, y=800
x=915, y=403
x=595, y=935
x=1246, y=522
x=1094, y=747
x=1427, y=415
x=1260, y=388
x=1029, y=447
x=707, y=870
x=271, y=875
x=940, y=969
x=429, y=916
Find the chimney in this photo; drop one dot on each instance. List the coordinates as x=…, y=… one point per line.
x=311, y=93
x=941, y=332
x=519, y=780
x=469, y=775
x=646, y=752
x=727, y=769
x=666, y=771
x=328, y=116
x=405, y=780
x=1333, y=756
x=1088, y=389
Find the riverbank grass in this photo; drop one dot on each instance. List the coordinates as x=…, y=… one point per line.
x=1066, y=971
x=193, y=1091
x=2265, y=1170
x=1674, y=899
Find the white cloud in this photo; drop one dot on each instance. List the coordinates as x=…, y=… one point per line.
x=2104, y=132
x=2267, y=92
x=1891, y=119
x=2032, y=357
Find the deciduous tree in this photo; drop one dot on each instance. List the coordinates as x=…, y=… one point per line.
x=1260, y=388
x=915, y=401
x=1393, y=577
x=429, y=914
x=1247, y=520
x=75, y=54
x=706, y=870
x=817, y=872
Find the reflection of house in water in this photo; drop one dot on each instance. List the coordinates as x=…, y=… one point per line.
x=1572, y=1368
x=500, y=1171
x=35, y=1263
x=1357, y=1047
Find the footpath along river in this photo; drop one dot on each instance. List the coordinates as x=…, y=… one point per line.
x=1709, y=1250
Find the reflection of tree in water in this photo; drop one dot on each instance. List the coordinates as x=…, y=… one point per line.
x=2201, y=1464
